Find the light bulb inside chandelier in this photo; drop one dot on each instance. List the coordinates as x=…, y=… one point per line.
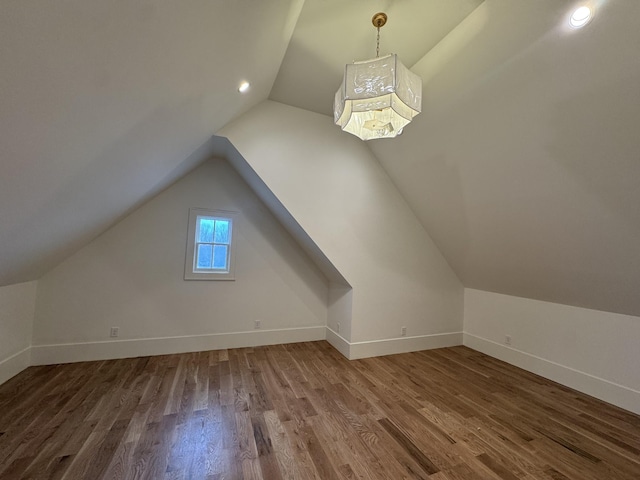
x=378, y=97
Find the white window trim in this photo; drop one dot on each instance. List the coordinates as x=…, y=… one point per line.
x=189, y=270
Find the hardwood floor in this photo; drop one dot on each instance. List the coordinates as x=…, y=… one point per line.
x=302, y=411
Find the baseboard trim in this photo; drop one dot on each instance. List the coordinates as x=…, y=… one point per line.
x=82, y=352
x=108, y=350
x=611, y=392
x=391, y=346
x=338, y=342
x=13, y=365
x=619, y=395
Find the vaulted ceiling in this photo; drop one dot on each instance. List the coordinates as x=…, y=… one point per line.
x=524, y=166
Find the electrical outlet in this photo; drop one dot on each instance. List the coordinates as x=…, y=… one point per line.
x=258, y=325
x=403, y=331
x=507, y=339
x=338, y=327
x=115, y=331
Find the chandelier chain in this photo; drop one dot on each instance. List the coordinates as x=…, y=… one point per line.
x=379, y=20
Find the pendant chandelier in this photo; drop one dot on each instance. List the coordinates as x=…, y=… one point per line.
x=378, y=97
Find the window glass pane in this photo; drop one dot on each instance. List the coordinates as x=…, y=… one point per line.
x=204, y=256
x=222, y=231
x=220, y=256
x=205, y=229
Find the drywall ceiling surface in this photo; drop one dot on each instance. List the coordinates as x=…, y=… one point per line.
x=331, y=33
x=101, y=103
x=525, y=163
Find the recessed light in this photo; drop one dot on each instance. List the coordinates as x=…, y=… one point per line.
x=580, y=17
x=244, y=87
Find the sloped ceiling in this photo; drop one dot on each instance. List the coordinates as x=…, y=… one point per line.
x=101, y=102
x=332, y=33
x=524, y=165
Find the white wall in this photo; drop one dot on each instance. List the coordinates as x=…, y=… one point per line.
x=17, y=305
x=131, y=277
x=337, y=191
x=592, y=351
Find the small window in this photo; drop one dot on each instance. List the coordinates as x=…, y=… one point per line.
x=209, y=245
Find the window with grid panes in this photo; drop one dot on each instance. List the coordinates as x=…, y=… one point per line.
x=210, y=245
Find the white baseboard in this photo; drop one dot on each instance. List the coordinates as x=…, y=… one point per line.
x=81, y=352
x=377, y=348
x=610, y=392
x=13, y=365
x=616, y=394
x=338, y=342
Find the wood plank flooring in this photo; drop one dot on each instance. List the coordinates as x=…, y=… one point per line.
x=302, y=411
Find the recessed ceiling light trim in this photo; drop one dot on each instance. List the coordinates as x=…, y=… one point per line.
x=244, y=87
x=580, y=17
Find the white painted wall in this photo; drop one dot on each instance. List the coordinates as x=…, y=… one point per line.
x=592, y=351
x=17, y=305
x=337, y=191
x=131, y=277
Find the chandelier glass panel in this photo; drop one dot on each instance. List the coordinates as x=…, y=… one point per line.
x=378, y=97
